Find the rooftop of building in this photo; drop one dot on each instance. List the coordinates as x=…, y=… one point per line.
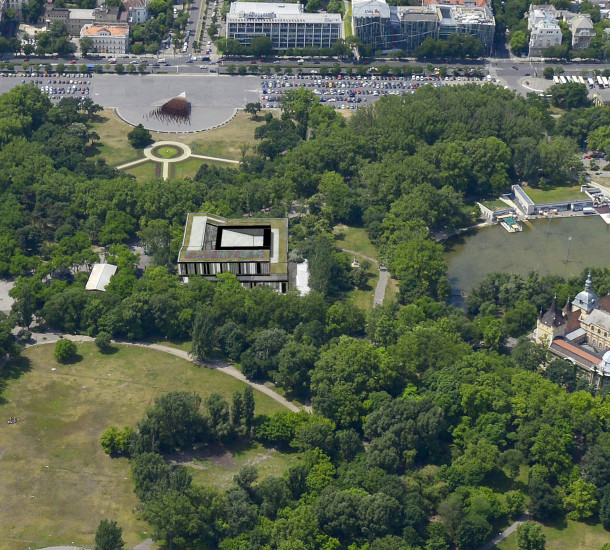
x=81, y=14
x=100, y=276
x=466, y=3
x=291, y=13
x=466, y=15
x=579, y=354
x=133, y=4
x=370, y=8
x=208, y=237
x=418, y=13
x=96, y=30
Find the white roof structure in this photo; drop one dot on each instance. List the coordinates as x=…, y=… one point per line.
x=290, y=13
x=370, y=8
x=100, y=276
x=302, y=282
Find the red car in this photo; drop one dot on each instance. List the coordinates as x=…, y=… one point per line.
x=26, y=59
x=73, y=62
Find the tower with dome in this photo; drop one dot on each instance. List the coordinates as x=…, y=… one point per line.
x=580, y=333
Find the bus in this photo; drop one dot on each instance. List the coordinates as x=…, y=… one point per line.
x=600, y=82
x=556, y=79
x=562, y=79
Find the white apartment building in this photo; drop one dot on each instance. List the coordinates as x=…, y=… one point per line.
x=544, y=28
x=137, y=11
x=287, y=25
x=108, y=38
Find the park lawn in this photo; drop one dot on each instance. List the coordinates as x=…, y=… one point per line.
x=554, y=195
x=113, y=145
x=144, y=171
x=219, y=467
x=189, y=168
x=224, y=141
x=571, y=536
x=56, y=481
x=356, y=239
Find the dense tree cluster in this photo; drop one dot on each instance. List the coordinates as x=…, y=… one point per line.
x=418, y=410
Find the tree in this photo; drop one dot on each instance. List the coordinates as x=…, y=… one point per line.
x=253, y=109
x=548, y=73
x=119, y=68
x=103, y=343
x=519, y=43
x=545, y=503
x=569, y=96
x=530, y=536
x=109, y=536
x=115, y=440
x=65, y=351
x=86, y=45
x=249, y=408
x=473, y=531
x=139, y=137
x=260, y=46
x=580, y=501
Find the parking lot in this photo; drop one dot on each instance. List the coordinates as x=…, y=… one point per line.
x=52, y=84
x=351, y=92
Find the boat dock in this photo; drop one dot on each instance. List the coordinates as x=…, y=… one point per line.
x=510, y=224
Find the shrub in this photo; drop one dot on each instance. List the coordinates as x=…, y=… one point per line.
x=102, y=341
x=115, y=440
x=65, y=351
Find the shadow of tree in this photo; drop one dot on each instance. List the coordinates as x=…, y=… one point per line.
x=13, y=370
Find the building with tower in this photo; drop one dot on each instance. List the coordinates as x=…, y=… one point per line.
x=580, y=333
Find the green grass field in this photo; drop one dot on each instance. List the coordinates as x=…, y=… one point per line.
x=356, y=239
x=56, y=482
x=495, y=205
x=166, y=152
x=144, y=171
x=554, y=195
x=569, y=536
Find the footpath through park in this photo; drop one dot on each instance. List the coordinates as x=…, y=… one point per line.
x=222, y=366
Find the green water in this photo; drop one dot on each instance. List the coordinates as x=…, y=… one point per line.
x=541, y=247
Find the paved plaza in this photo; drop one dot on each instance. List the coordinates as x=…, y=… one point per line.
x=214, y=99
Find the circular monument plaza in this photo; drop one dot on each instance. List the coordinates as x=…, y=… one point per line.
x=212, y=99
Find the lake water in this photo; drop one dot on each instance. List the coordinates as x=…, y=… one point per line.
x=542, y=246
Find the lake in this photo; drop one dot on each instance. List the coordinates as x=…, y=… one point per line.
x=542, y=246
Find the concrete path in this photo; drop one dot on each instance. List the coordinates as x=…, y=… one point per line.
x=222, y=366
x=353, y=252
x=381, y=286
x=217, y=159
x=131, y=164
x=506, y=533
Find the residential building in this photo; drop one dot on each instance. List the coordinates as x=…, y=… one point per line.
x=580, y=333
x=253, y=249
x=544, y=29
x=112, y=39
x=16, y=5
x=287, y=25
x=137, y=11
x=76, y=19
x=582, y=32
x=406, y=27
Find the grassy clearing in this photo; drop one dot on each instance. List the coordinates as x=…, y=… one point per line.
x=55, y=476
x=223, y=142
x=144, y=171
x=495, y=205
x=113, y=146
x=571, y=535
x=356, y=239
x=219, y=467
x=554, y=195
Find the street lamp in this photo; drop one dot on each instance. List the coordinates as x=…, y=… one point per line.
x=568, y=251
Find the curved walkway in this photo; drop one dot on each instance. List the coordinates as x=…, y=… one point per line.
x=506, y=533
x=222, y=366
x=186, y=154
